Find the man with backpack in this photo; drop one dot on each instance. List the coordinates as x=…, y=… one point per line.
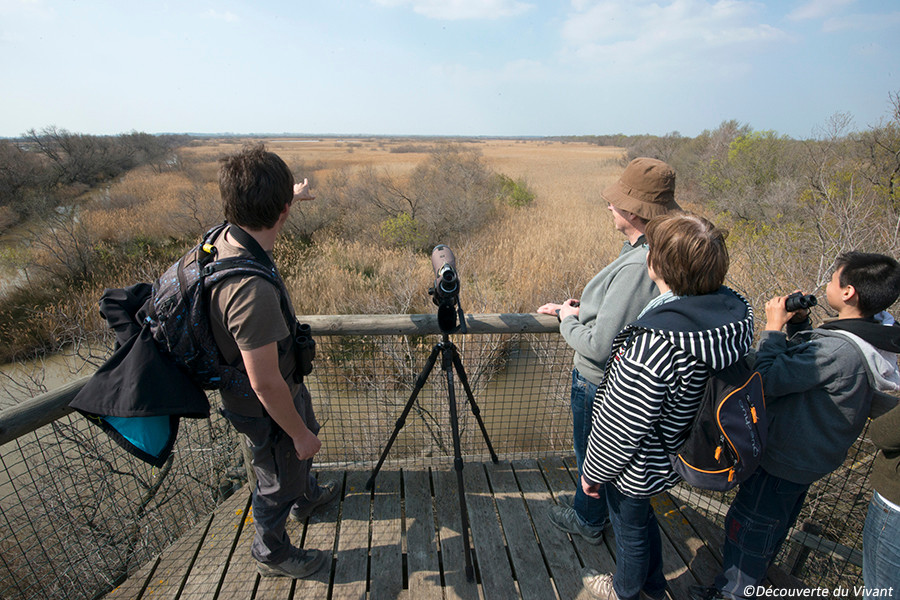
x=819, y=384
x=250, y=327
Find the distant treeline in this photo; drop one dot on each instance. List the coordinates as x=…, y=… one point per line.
x=791, y=206
x=46, y=168
x=746, y=172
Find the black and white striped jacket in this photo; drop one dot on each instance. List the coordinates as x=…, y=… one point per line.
x=657, y=371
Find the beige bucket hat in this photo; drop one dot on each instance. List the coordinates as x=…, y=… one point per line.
x=646, y=189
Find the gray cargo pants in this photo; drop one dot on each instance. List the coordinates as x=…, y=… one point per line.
x=281, y=478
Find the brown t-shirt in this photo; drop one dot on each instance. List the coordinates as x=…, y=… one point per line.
x=245, y=314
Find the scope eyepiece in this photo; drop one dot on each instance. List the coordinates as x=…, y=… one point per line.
x=448, y=281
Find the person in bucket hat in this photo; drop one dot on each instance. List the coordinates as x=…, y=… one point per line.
x=611, y=300
x=646, y=189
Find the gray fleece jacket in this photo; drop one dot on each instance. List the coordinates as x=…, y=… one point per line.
x=612, y=299
x=819, y=385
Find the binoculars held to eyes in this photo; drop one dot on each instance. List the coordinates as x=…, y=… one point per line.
x=798, y=301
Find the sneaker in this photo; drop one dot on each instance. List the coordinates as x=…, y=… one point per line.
x=564, y=518
x=325, y=493
x=646, y=596
x=301, y=563
x=601, y=586
x=705, y=592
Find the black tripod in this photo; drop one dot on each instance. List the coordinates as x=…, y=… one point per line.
x=449, y=357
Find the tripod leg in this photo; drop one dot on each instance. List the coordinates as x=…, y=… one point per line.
x=457, y=459
x=420, y=382
x=457, y=362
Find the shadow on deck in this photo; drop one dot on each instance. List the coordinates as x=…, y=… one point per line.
x=402, y=540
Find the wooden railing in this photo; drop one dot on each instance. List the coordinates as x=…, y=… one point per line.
x=77, y=514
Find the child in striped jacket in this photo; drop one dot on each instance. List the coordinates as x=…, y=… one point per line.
x=657, y=372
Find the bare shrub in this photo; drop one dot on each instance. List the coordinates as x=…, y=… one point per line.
x=346, y=277
x=155, y=206
x=451, y=194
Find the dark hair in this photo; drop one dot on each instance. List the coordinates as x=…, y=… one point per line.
x=255, y=186
x=875, y=277
x=688, y=252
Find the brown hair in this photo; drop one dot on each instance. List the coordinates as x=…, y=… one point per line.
x=255, y=186
x=688, y=252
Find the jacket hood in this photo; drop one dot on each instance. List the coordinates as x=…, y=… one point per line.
x=715, y=328
x=878, y=342
x=881, y=335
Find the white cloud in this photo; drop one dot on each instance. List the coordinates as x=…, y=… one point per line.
x=452, y=10
x=818, y=9
x=861, y=22
x=653, y=36
x=227, y=16
x=834, y=18
x=26, y=9
x=523, y=71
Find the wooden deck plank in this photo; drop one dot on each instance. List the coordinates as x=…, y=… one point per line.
x=558, y=550
x=487, y=538
x=176, y=562
x=562, y=483
x=695, y=552
x=217, y=546
x=352, y=557
x=421, y=537
x=696, y=563
x=530, y=569
x=133, y=587
x=240, y=577
x=386, y=570
x=517, y=552
x=678, y=576
x=453, y=561
x=321, y=533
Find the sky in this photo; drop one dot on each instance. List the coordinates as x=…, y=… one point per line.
x=446, y=67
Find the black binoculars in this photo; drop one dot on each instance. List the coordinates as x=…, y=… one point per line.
x=305, y=349
x=798, y=300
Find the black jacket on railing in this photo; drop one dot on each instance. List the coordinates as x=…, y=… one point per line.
x=138, y=396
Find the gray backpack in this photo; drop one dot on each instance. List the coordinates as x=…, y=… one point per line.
x=178, y=311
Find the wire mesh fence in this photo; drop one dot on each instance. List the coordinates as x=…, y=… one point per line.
x=824, y=549
x=77, y=514
x=362, y=385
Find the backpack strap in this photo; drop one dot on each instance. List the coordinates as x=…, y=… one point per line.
x=303, y=344
x=249, y=242
x=627, y=335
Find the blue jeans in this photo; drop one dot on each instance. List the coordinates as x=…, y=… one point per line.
x=763, y=512
x=881, y=548
x=591, y=511
x=638, y=546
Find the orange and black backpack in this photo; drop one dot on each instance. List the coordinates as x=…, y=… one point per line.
x=728, y=436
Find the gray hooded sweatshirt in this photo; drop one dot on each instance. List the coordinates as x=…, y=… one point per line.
x=819, y=385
